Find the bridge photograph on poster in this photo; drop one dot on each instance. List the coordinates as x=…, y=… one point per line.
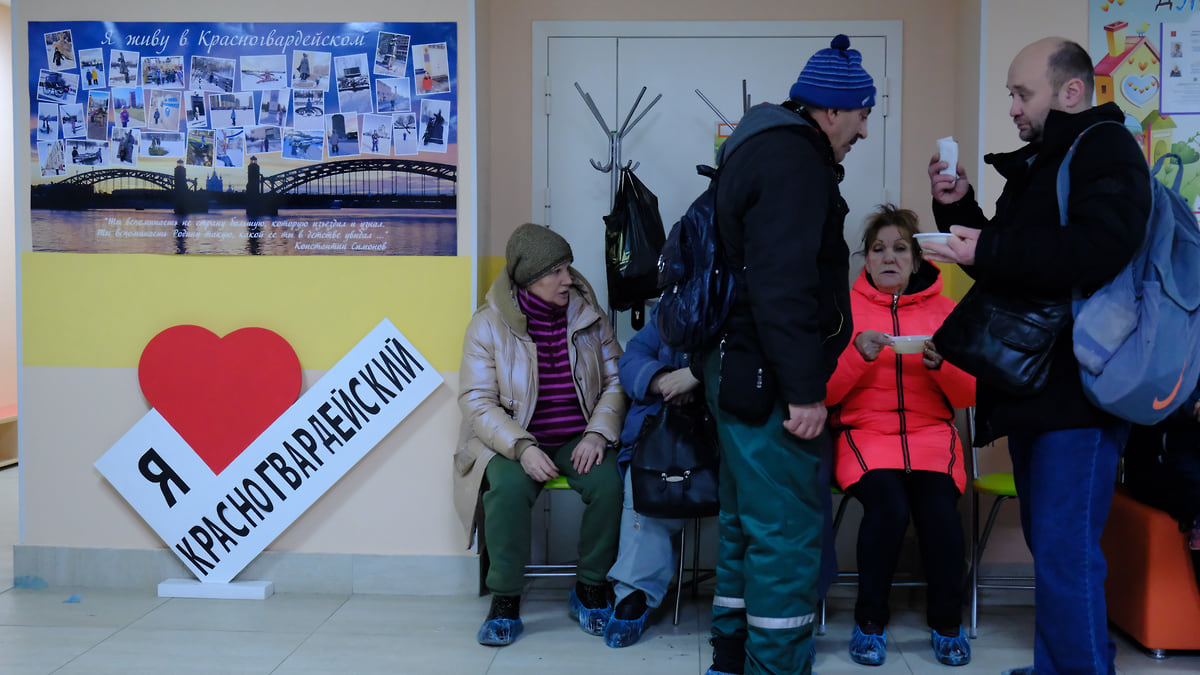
x=232, y=168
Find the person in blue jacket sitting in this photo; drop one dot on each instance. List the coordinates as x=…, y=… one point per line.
x=652, y=374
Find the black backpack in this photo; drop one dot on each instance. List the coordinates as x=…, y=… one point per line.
x=697, y=288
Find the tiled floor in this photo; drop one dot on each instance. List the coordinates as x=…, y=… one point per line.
x=98, y=632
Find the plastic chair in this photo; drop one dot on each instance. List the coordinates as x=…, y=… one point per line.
x=847, y=578
x=851, y=578
x=698, y=575
x=536, y=570
x=532, y=569
x=843, y=578
x=1002, y=488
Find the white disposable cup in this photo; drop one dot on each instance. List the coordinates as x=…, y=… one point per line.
x=948, y=151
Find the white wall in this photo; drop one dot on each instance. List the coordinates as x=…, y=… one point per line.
x=1010, y=25
x=8, y=243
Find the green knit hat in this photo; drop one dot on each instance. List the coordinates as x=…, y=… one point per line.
x=534, y=250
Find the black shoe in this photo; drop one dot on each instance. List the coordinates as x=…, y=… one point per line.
x=628, y=621
x=950, y=650
x=632, y=607
x=505, y=607
x=729, y=655
x=868, y=644
x=592, y=596
x=588, y=604
x=869, y=627
x=503, y=623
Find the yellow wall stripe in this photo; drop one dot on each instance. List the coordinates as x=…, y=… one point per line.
x=955, y=282
x=490, y=267
x=100, y=310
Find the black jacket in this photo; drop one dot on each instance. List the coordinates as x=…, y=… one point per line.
x=1024, y=250
x=780, y=216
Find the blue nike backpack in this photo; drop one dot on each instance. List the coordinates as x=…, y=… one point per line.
x=1137, y=339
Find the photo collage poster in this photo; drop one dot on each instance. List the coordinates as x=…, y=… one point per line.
x=234, y=139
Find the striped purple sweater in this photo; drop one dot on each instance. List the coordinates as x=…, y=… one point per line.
x=557, y=417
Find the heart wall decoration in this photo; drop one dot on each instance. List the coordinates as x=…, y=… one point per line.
x=1140, y=89
x=219, y=393
x=202, y=471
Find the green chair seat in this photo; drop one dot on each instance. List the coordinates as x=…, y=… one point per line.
x=1000, y=484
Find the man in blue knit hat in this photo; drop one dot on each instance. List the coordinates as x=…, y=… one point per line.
x=780, y=214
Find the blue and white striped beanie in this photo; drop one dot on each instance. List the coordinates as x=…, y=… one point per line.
x=834, y=78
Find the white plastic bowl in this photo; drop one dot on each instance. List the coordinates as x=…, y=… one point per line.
x=909, y=344
x=924, y=238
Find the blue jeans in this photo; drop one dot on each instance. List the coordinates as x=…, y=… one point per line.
x=647, y=553
x=1064, y=485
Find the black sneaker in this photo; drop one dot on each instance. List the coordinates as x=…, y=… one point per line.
x=592, y=596
x=505, y=607
x=503, y=623
x=588, y=604
x=632, y=607
x=729, y=656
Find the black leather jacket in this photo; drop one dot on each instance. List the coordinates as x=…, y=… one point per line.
x=1024, y=250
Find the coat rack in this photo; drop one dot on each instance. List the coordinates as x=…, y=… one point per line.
x=714, y=108
x=719, y=114
x=613, y=165
x=745, y=105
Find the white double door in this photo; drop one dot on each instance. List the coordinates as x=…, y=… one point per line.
x=613, y=61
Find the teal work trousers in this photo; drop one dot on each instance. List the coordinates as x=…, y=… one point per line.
x=769, y=555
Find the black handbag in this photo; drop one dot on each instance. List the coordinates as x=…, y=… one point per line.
x=1005, y=341
x=673, y=472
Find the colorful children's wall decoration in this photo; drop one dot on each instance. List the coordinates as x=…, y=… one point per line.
x=1147, y=59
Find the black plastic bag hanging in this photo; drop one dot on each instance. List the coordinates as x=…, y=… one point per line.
x=633, y=237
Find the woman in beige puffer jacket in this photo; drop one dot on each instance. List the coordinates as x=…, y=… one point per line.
x=498, y=395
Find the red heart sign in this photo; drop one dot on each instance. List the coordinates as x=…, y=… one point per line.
x=219, y=393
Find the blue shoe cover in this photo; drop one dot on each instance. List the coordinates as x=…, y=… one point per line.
x=499, y=632
x=710, y=671
x=622, y=633
x=1027, y=670
x=866, y=649
x=951, y=651
x=592, y=621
